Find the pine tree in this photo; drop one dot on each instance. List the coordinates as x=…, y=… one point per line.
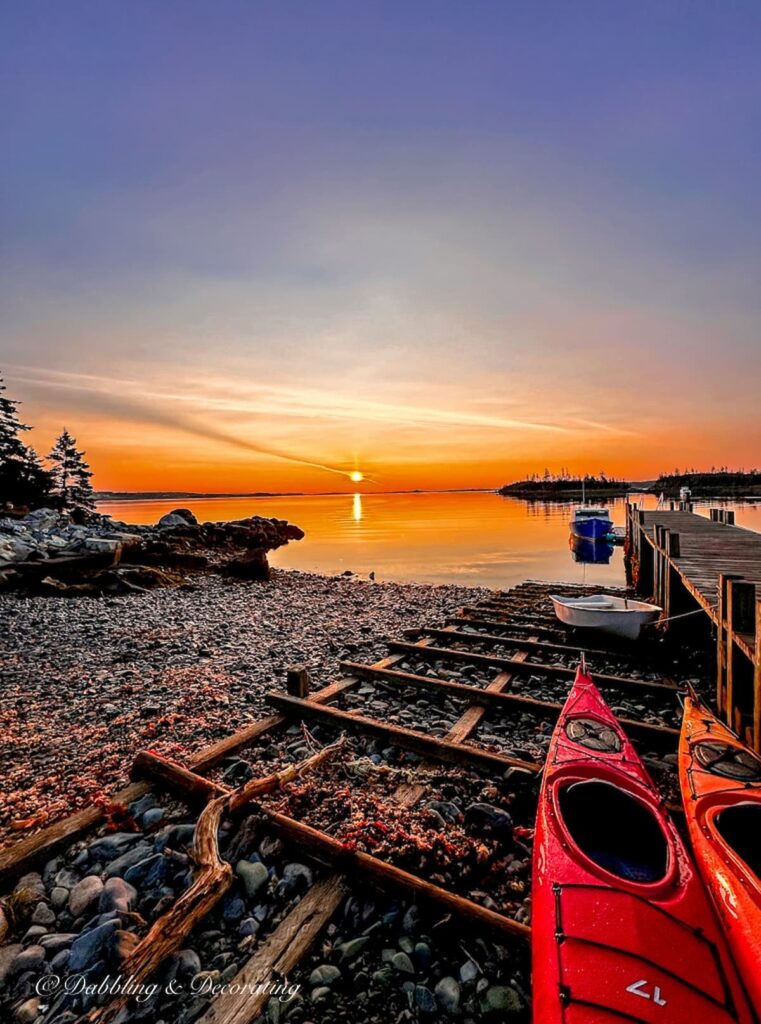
x=71, y=475
x=23, y=480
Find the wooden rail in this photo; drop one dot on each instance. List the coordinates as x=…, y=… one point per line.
x=685, y=562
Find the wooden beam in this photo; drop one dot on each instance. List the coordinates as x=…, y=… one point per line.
x=488, y=697
x=538, y=668
x=278, y=955
x=497, y=640
x=37, y=848
x=395, y=735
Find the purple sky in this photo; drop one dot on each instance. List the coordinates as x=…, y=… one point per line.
x=480, y=207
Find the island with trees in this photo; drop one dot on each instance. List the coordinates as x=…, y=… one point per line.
x=715, y=483
x=563, y=486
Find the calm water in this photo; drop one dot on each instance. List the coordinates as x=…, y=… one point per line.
x=426, y=538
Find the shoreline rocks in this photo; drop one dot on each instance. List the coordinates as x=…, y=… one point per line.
x=52, y=552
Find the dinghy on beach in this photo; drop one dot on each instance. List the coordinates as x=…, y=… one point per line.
x=622, y=928
x=621, y=616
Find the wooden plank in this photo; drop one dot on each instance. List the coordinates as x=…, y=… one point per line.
x=37, y=848
x=278, y=955
x=491, y=697
x=358, y=865
x=497, y=640
x=395, y=735
x=539, y=668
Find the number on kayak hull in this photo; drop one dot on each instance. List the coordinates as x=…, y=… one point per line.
x=640, y=988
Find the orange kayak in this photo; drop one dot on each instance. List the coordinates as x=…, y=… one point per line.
x=622, y=927
x=720, y=780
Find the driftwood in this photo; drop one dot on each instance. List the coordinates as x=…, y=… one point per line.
x=212, y=877
x=364, y=866
x=35, y=849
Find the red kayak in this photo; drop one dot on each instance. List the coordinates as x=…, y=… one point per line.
x=622, y=927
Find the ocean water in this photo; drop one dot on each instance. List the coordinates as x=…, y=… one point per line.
x=461, y=537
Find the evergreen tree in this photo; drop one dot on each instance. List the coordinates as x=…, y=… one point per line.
x=23, y=480
x=70, y=474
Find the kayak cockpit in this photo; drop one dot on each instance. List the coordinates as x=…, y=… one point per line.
x=740, y=828
x=615, y=831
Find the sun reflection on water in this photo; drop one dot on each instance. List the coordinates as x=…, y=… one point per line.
x=356, y=510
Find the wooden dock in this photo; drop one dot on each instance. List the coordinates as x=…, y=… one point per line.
x=682, y=560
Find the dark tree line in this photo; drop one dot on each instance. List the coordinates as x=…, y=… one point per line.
x=25, y=481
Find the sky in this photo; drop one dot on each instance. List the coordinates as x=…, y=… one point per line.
x=258, y=246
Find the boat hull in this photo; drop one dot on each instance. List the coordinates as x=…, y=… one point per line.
x=591, y=528
x=708, y=796
x=623, y=622
x=618, y=936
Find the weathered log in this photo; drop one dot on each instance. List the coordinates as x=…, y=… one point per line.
x=212, y=876
x=363, y=865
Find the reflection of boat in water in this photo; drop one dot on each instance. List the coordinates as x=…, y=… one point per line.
x=589, y=551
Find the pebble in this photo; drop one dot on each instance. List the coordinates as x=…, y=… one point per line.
x=89, y=947
x=447, y=993
x=117, y=895
x=43, y=914
x=325, y=974
x=85, y=894
x=253, y=876
x=401, y=962
x=30, y=959
x=28, y=1011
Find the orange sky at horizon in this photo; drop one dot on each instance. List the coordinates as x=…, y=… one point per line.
x=145, y=438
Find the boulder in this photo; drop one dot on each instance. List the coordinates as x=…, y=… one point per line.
x=178, y=517
x=251, y=566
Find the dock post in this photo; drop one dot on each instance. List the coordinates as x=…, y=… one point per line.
x=729, y=516
x=721, y=643
x=297, y=681
x=757, y=683
x=671, y=579
x=741, y=600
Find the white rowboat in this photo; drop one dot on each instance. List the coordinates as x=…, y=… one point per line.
x=617, y=615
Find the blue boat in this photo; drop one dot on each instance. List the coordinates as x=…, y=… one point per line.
x=590, y=523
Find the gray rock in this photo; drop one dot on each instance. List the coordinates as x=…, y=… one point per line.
x=253, y=876
x=53, y=944
x=348, y=950
x=109, y=847
x=501, y=999
x=491, y=820
x=32, y=882
x=447, y=993
x=468, y=972
x=147, y=872
x=297, y=878
x=325, y=974
x=59, y=897
x=92, y=946
x=152, y=817
x=424, y=999
x=66, y=879
x=177, y=517
x=43, y=914
x=7, y=955
x=30, y=959
x=84, y=895
x=34, y=934
x=401, y=962
x=233, y=909
x=250, y=926
x=120, y=865
x=175, y=837
x=117, y=895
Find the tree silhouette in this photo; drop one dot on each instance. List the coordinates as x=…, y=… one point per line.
x=70, y=474
x=23, y=480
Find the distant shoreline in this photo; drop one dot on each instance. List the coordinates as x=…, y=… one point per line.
x=105, y=496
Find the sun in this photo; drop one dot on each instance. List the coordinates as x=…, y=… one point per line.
x=356, y=477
